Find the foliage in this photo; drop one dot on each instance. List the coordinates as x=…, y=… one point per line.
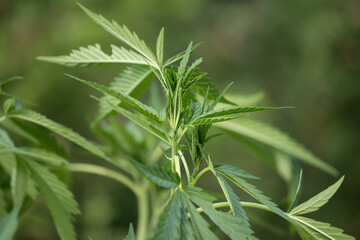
x=193, y=106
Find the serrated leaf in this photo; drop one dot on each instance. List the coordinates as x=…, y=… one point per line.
x=231, y=225
x=314, y=203
x=186, y=230
x=160, y=47
x=123, y=34
x=168, y=226
x=36, y=153
x=232, y=199
x=19, y=181
x=146, y=123
x=296, y=193
x=44, y=155
x=131, y=234
x=58, y=199
x=220, y=115
x=182, y=67
x=200, y=225
x=158, y=175
x=127, y=100
x=9, y=223
x=92, y=55
x=237, y=177
x=9, y=105
x=180, y=55
x=37, y=118
x=133, y=81
x=205, y=84
x=273, y=137
x=15, y=128
x=314, y=230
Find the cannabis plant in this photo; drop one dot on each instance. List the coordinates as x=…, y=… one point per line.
x=160, y=154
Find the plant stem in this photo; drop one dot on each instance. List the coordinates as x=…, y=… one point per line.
x=102, y=171
x=2, y=118
x=176, y=161
x=185, y=166
x=244, y=204
x=143, y=214
x=199, y=175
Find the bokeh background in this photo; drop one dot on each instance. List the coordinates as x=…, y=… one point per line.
x=302, y=53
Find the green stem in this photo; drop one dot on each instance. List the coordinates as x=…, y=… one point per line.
x=176, y=161
x=2, y=118
x=143, y=214
x=182, y=134
x=244, y=204
x=199, y=175
x=102, y=171
x=185, y=166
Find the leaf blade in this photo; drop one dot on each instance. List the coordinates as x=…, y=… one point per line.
x=273, y=137
x=320, y=199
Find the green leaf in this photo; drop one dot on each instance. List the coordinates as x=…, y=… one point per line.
x=237, y=176
x=127, y=100
x=160, y=47
x=314, y=230
x=231, y=225
x=19, y=182
x=275, y=138
x=36, y=153
x=9, y=105
x=146, y=123
x=92, y=55
x=58, y=198
x=232, y=199
x=297, y=192
x=37, y=118
x=9, y=80
x=131, y=234
x=314, y=203
x=123, y=34
x=43, y=155
x=182, y=68
x=180, y=55
x=205, y=84
x=168, y=226
x=186, y=230
x=15, y=128
x=226, y=114
x=158, y=175
x=200, y=225
x=9, y=223
x=133, y=81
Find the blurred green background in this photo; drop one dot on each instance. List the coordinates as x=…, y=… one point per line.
x=302, y=53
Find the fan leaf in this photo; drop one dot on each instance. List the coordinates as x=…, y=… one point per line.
x=127, y=100
x=37, y=118
x=92, y=55
x=58, y=199
x=168, y=226
x=314, y=203
x=315, y=230
x=158, y=175
x=9, y=223
x=237, y=176
x=123, y=34
x=275, y=138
